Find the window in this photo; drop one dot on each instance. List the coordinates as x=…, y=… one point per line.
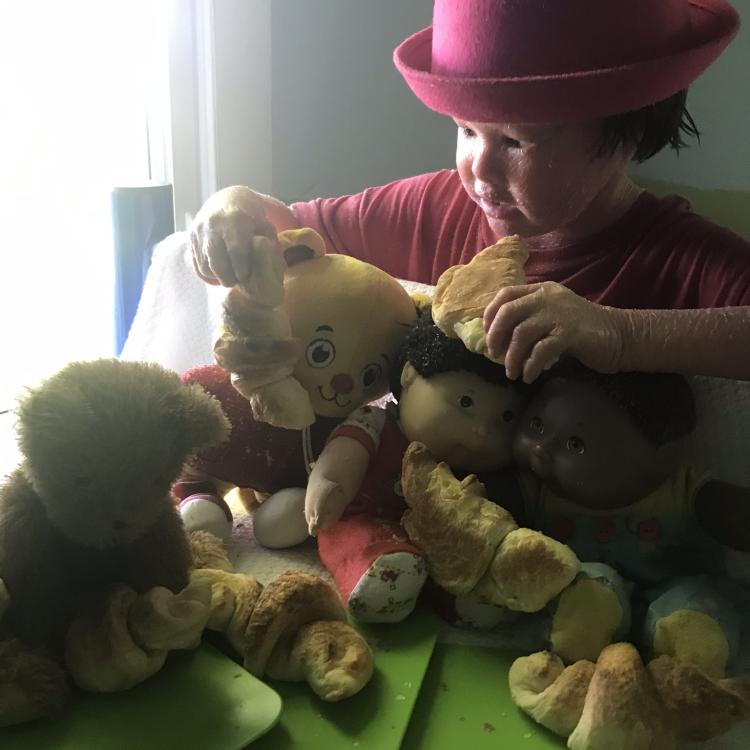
x=84, y=96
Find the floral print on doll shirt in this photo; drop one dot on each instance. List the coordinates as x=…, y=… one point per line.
x=653, y=540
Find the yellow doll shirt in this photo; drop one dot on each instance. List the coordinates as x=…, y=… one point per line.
x=650, y=541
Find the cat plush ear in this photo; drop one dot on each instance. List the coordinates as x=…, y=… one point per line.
x=299, y=245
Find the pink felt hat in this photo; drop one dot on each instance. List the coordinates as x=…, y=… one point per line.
x=560, y=60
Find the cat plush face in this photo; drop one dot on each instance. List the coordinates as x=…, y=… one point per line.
x=350, y=318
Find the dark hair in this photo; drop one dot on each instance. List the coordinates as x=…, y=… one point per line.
x=660, y=405
x=431, y=352
x=650, y=129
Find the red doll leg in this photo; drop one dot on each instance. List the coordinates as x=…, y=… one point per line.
x=377, y=571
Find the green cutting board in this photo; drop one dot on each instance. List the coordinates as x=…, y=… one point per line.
x=200, y=699
x=379, y=714
x=465, y=702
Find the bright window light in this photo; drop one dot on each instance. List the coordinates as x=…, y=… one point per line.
x=77, y=82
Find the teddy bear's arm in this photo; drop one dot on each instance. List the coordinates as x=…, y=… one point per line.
x=30, y=566
x=161, y=557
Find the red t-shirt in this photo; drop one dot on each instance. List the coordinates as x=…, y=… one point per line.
x=659, y=255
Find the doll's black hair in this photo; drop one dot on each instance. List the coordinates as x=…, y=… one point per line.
x=660, y=405
x=431, y=352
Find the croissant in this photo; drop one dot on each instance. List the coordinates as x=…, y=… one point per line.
x=293, y=629
x=463, y=291
x=619, y=703
x=472, y=544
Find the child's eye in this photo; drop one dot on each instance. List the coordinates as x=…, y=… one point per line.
x=468, y=132
x=537, y=425
x=466, y=402
x=511, y=143
x=320, y=353
x=371, y=374
x=576, y=445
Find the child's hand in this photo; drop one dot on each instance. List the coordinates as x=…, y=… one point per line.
x=531, y=327
x=221, y=235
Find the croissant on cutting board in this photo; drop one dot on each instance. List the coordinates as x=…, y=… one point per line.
x=621, y=704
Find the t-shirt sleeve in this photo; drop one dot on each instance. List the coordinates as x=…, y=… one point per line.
x=396, y=227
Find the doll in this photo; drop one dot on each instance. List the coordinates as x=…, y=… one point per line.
x=602, y=472
x=463, y=407
x=308, y=340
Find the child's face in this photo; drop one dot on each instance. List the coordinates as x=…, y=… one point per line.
x=536, y=179
x=585, y=448
x=461, y=418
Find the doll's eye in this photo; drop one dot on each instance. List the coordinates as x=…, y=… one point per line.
x=576, y=445
x=466, y=401
x=508, y=415
x=371, y=374
x=320, y=353
x=537, y=425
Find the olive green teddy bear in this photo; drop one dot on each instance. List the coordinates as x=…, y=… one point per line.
x=88, y=509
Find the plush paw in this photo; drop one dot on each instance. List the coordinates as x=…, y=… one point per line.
x=388, y=590
x=590, y=614
x=205, y=512
x=693, y=638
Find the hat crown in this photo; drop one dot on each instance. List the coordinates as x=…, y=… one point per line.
x=511, y=38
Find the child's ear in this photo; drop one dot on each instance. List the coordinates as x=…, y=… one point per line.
x=408, y=375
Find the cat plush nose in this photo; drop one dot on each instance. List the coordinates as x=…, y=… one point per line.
x=342, y=383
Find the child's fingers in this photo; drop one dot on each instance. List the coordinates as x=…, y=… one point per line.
x=509, y=294
x=525, y=337
x=544, y=355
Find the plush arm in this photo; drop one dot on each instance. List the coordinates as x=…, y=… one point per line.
x=723, y=512
x=334, y=481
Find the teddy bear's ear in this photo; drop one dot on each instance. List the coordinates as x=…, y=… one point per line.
x=202, y=422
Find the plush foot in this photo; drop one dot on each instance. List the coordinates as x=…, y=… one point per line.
x=693, y=638
x=207, y=512
x=475, y=611
x=588, y=615
x=31, y=685
x=388, y=590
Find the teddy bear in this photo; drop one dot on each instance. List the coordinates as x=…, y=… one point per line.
x=308, y=339
x=98, y=580
x=89, y=508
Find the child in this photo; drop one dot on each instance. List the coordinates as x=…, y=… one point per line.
x=552, y=101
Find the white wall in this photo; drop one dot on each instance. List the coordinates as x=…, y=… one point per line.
x=719, y=102
x=343, y=116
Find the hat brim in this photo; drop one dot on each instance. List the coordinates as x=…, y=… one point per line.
x=569, y=97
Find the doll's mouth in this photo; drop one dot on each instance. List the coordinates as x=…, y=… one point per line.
x=335, y=398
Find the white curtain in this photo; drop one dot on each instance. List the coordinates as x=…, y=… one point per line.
x=77, y=81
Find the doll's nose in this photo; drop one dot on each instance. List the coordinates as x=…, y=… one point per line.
x=342, y=383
